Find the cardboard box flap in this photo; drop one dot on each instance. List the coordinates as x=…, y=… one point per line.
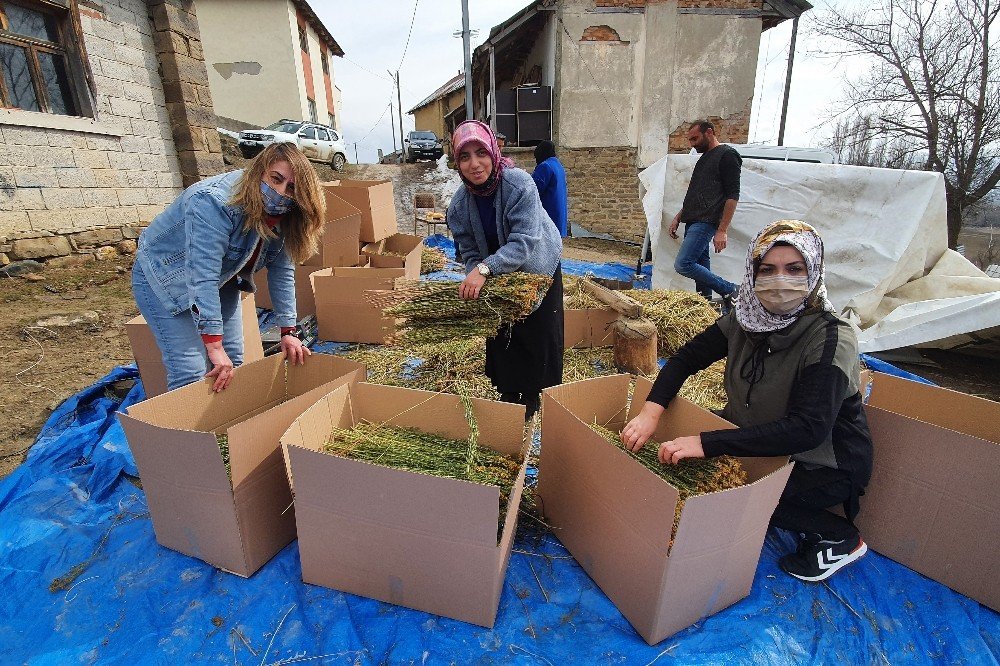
x=456, y=511
x=254, y=440
x=373, y=193
x=197, y=407
x=602, y=400
x=585, y=457
x=337, y=208
x=264, y=511
x=942, y=407
x=366, y=272
x=188, y=490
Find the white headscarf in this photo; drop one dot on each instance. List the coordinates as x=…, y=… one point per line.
x=751, y=315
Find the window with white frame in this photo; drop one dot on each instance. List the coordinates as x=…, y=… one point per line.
x=39, y=62
x=312, y=110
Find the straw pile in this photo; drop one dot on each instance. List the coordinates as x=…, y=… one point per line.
x=575, y=297
x=707, y=388
x=691, y=476
x=431, y=311
x=678, y=315
x=432, y=259
x=413, y=450
x=223, y=441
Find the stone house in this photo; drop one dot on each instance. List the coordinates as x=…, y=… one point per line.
x=625, y=78
x=106, y=114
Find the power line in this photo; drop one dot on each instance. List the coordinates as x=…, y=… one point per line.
x=360, y=66
x=375, y=125
x=413, y=18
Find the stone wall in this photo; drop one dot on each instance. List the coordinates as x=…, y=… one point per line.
x=85, y=186
x=734, y=128
x=603, y=186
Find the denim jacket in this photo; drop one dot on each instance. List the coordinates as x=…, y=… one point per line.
x=197, y=244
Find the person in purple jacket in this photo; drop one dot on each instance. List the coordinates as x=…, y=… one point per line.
x=550, y=178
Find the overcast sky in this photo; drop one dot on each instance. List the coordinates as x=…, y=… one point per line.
x=374, y=42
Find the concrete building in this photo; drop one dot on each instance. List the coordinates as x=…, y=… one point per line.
x=443, y=109
x=626, y=79
x=276, y=51
x=106, y=113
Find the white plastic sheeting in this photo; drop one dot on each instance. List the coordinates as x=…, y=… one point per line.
x=888, y=267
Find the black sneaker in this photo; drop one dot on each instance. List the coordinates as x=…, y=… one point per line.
x=818, y=560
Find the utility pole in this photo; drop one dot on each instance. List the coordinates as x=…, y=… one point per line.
x=399, y=108
x=788, y=82
x=356, y=160
x=467, y=55
x=392, y=119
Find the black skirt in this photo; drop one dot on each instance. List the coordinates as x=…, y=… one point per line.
x=527, y=357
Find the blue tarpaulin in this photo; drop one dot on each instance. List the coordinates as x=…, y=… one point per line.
x=84, y=581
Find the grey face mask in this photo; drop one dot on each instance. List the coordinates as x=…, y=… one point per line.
x=781, y=294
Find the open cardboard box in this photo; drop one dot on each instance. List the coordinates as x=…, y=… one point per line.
x=396, y=251
x=588, y=327
x=342, y=311
x=238, y=524
x=615, y=516
x=933, y=502
x=409, y=539
x=341, y=235
x=305, y=302
x=375, y=200
x=150, y=362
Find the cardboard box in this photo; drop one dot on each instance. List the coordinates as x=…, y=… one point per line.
x=396, y=251
x=375, y=200
x=305, y=302
x=615, y=516
x=150, y=362
x=590, y=327
x=932, y=503
x=409, y=539
x=239, y=525
x=342, y=311
x=341, y=235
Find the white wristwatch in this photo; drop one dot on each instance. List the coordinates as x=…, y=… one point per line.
x=483, y=269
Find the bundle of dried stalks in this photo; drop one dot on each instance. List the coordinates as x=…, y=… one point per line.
x=432, y=311
x=432, y=259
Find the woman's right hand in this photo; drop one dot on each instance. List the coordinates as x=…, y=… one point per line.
x=222, y=367
x=641, y=428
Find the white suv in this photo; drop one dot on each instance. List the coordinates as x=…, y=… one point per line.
x=319, y=143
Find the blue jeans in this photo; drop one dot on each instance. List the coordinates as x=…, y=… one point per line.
x=183, y=352
x=694, y=261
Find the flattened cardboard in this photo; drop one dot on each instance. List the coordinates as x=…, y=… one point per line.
x=237, y=526
x=386, y=253
x=341, y=235
x=409, y=539
x=588, y=327
x=932, y=503
x=615, y=516
x=342, y=311
x=150, y=362
x=375, y=200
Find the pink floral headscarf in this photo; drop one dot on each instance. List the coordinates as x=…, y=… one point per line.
x=473, y=130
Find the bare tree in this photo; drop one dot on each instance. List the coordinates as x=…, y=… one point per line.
x=859, y=141
x=933, y=87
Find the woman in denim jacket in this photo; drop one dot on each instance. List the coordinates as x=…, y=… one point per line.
x=203, y=249
x=500, y=227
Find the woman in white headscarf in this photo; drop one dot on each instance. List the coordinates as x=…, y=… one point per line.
x=792, y=381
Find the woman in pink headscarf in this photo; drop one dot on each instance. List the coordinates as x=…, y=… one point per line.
x=500, y=227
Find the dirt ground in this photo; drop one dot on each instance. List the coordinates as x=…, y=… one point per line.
x=43, y=364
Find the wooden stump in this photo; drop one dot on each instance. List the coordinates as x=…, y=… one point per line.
x=635, y=346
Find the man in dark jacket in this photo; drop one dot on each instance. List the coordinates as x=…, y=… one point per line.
x=707, y=211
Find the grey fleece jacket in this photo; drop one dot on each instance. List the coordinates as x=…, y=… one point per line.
x=529, y=241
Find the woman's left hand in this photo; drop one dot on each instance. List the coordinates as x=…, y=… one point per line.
x=675, y=450
x=471, y=285
x=293, y=350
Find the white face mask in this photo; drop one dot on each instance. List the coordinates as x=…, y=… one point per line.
x=781, y=294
